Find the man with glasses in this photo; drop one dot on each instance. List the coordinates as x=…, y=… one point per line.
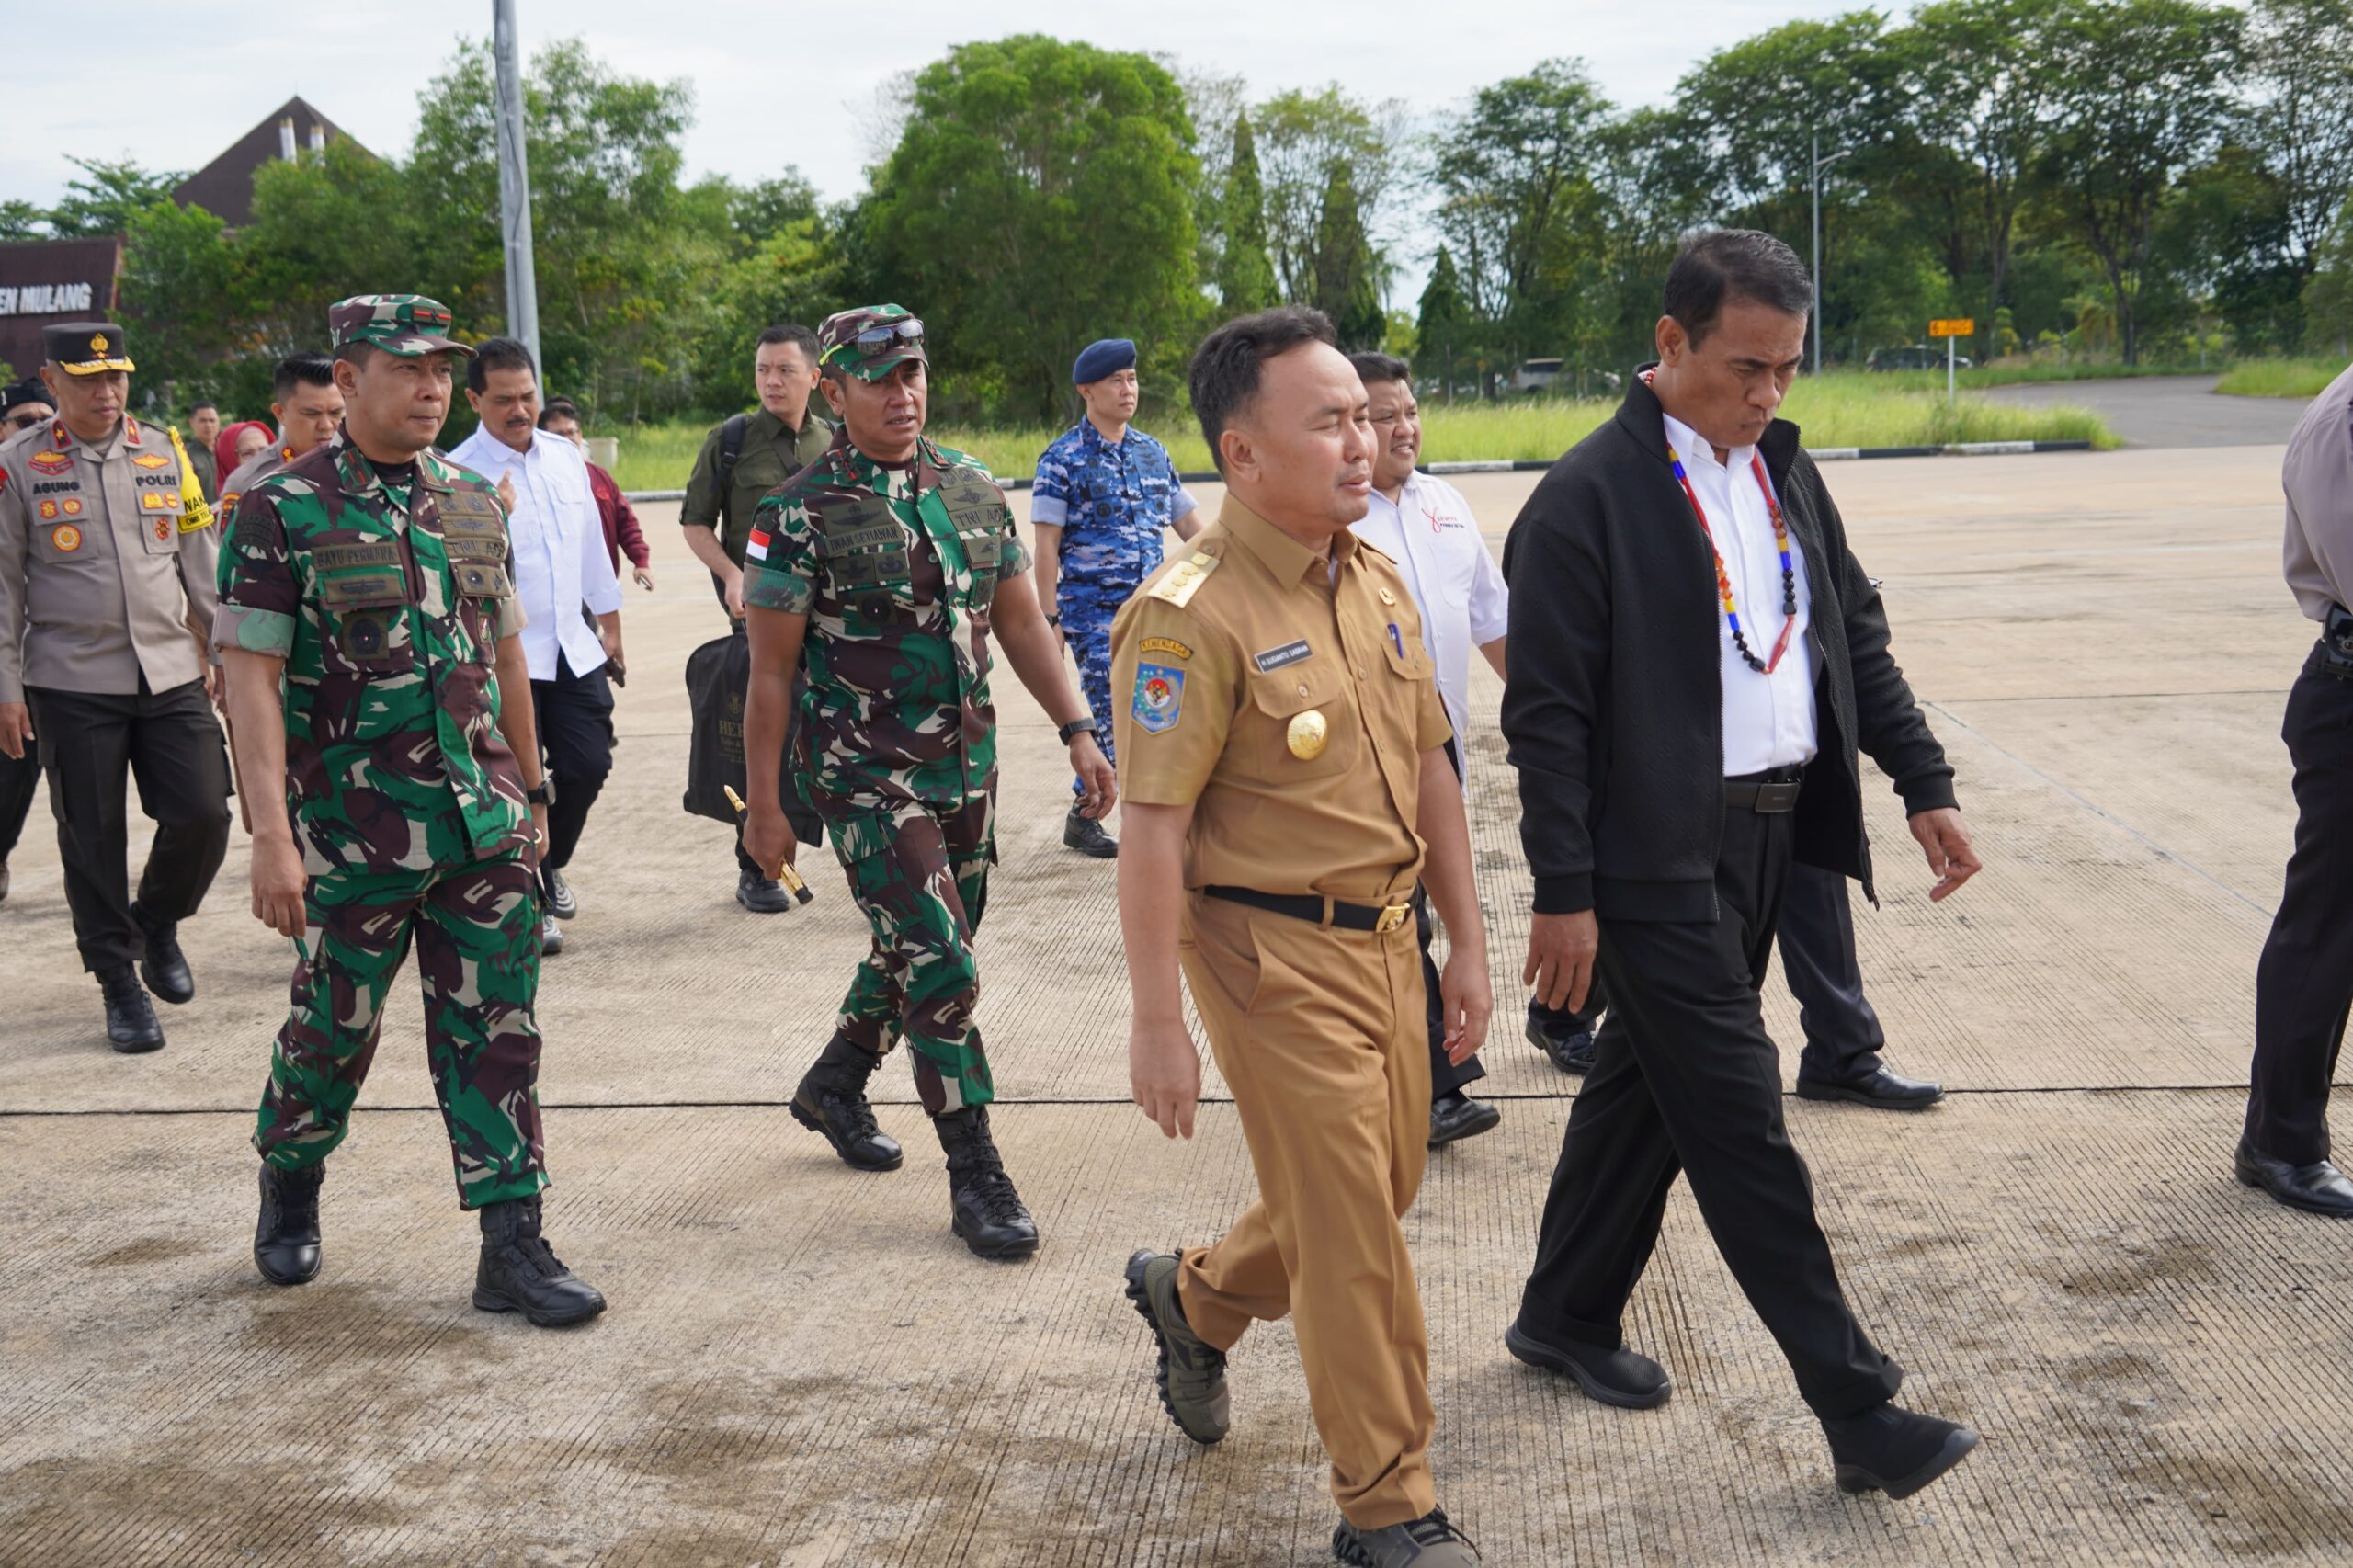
x=884, y=569
x=22, y=406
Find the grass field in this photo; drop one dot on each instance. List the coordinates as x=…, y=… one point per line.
x=2280, y=378
x=1839, y=410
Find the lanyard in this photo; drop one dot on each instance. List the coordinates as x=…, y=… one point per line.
x=1723, y=578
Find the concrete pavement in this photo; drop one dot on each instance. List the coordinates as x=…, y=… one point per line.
x=2168, y=411
x=802, y=1367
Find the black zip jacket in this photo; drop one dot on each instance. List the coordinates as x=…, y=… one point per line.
x=1613, y=711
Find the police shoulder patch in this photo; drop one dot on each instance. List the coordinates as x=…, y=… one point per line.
x=1159, y=697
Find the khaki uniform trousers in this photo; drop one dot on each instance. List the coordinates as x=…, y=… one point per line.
x=1322, y=1035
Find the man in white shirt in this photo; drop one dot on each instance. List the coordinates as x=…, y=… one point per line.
x=1423, y=523
x=556, y=551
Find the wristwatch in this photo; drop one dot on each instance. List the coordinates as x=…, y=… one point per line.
x=1053, y=618
x=1076, y=727
x=543, y=792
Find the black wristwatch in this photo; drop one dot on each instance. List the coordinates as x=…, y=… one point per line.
x=543, y=792
x=1076, y=727
x=1054, y=618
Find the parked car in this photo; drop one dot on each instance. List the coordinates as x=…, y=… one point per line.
x=1535, y=375
x=1913, y=357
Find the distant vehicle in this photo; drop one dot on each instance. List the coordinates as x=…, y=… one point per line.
x=1535, y=375
x=1912, y=357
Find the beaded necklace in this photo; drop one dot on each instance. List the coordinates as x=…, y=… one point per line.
x=1723, y=578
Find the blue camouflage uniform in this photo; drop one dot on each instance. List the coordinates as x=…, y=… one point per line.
x=1112, y=503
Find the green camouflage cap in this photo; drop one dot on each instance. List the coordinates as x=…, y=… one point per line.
x=397, y=323
x=869, y=341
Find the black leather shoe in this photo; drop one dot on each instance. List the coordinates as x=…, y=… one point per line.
x=1621, y=1377
x=164, y=967
x=1890, y=1449
x=831, y=1100
x=985, y=1209
x=562, y=902
x=1566, y=1038
x=1879, y=1087
x=1457, y=1116
x=1086, y=835
x=551, y=937
x=132, y=1024
x=286, y=1238
x=519, y=1272
x=761, y=895
x=1430, y=1541
x=2317, y=1189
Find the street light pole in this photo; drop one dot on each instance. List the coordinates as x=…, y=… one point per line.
x=514, y=186
x=1820, y=164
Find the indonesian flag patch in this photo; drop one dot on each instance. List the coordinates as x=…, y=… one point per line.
x=756, y=547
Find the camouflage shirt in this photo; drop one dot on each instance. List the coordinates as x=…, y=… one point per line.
x=895, y=569
x=387, y=601
x=1112, y=500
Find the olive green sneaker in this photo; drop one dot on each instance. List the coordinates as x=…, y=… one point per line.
x=1191, y=1374
x=1430, y=1541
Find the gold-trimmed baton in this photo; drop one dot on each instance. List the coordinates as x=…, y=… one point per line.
x=784, y=871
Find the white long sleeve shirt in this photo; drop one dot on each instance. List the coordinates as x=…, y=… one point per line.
x=1428, y=531
x=559, y=561
x=1769, y=719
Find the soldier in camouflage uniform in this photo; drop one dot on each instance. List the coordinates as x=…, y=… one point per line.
x=1103, y=495
x=882, y=569
x=369, y=579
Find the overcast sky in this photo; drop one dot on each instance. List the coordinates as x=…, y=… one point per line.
x=779, y=83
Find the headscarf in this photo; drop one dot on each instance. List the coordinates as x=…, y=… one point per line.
x=224, y=445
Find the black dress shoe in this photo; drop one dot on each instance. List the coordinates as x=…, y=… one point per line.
x=761, y=895
x=1565, y=1037
x=1621, y=1377
x=285, y=1237
x=1457, y=1116
x=562, y=902
x=519, y=1272
x=2317, y=1189
x=132, y=1024
x=164, y=967
x=1879, y=1087
x=1086, y=835
x=1890, y=1449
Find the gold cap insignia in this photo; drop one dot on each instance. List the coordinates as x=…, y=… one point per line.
x=98, y=343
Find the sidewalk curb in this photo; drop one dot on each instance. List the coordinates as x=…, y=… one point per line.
x=1538, y=465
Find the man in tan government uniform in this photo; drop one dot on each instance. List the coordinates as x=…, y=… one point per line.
x=106, y=557
x=1282, y=749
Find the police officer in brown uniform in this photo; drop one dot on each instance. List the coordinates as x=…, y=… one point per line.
x=107, y=555
x=1282, y=748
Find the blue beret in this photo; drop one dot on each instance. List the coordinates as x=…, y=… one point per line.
x=1097, y=360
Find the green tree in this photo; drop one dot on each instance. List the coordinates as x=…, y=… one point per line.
x=2144, y=96
x=2300, y=69
x=1042, y=193
x=1299, y=137
x=179, y=299
x=1346, y=271
x=1443, y=328
x=102, y=201
x=1246, y=279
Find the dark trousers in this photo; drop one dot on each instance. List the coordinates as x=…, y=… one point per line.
x=19, y=779
x=574, y=715
x=1843, y=1038
x=91, y=745
x=1686, y=1080
x=1446, y=1078
x=2303, y=983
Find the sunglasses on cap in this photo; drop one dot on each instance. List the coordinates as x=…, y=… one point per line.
x=875, y=339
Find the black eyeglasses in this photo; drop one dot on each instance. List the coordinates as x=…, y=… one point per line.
x=23, y=421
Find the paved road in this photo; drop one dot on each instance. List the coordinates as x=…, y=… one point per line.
x=2170, y=411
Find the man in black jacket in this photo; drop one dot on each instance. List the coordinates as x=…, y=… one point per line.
x=1695, y=657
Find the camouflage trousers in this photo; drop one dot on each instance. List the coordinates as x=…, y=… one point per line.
x=477, y=933
x=1087, y=627
x=920, y=872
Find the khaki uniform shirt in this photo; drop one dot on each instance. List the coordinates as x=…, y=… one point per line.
x=102, y=563
x=1225, y=663
x=2318, y=478
x=771, y=455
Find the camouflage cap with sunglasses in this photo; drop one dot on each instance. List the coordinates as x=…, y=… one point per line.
x=870, y=341
x=406, y=324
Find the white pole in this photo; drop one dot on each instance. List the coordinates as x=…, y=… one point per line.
x=1948, y=364
x=515, y=186
x=1817, y=253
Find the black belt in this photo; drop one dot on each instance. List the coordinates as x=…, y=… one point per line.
x=1768, y=793
x=1310, y=908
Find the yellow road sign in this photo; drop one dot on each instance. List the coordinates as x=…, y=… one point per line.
x=1960, y=327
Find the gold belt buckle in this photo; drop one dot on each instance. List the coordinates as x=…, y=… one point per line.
x=1391, y=916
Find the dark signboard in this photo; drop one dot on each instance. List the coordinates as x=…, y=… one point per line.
x=46, y=281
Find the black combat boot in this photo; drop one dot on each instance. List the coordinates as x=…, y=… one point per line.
x=831, y=1100
x=989, y=1213
x=520, y=1274
x=286, y=1238
x=132, y=1023
x=1084, y=833
x=164, y=967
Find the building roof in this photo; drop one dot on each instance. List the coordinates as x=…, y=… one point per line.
x=224, y=186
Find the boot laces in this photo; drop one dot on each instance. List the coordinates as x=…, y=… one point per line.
x=1434, y=1528
x=536, y=1252
x=850, y=1109
x=998, y=1197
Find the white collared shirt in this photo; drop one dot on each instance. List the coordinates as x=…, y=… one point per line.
x=1428, y=531
x=558, y=537
x=1769, y=719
